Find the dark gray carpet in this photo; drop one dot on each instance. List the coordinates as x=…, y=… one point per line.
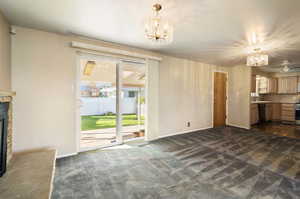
x=220, y=163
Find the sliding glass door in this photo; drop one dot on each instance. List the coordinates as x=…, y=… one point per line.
x=111, y=101
x=99, y=103
x=133, y=100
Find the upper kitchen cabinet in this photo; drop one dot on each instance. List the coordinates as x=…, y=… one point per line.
x=267, y=85
x=262, y=83
x=272, y=85
x=287, y=85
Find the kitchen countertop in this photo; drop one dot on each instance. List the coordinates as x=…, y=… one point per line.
x=271, y=102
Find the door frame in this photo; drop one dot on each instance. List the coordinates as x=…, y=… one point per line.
x=118, y=61
x=213, y=95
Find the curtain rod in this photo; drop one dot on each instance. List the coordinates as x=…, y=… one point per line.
x=81, y=45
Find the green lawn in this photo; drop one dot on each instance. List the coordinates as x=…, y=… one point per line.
x=102, y=121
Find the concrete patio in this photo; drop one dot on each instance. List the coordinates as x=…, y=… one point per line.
x=104, y=137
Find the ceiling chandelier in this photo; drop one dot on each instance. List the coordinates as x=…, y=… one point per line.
x=158, y=30
x=257, y=58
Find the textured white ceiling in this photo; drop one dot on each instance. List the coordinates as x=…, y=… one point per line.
x=211, y=31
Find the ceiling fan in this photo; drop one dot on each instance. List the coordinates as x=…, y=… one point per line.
x=287, y=66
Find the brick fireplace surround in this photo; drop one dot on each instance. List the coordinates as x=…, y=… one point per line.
x=29, y=173
x=7, y=97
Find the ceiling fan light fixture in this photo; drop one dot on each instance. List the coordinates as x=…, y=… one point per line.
x=285, y=65
x=285, y=69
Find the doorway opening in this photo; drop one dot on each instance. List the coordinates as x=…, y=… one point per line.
x=219, y=99
x=112, y=102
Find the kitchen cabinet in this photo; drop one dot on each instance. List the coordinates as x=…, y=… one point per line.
x=268, y=112
x=287, y=85
x=288, y=112
x=292, y=84
x=282, y=85
x=262, y=85
x=272, y=85
x=254, y=114
x=276, y=112
x=267, y=85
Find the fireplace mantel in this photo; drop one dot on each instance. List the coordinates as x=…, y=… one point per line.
x=7, y=93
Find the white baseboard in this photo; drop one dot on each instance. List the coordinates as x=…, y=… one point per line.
x=183, y=132
x=66, y=155
x=239, y=126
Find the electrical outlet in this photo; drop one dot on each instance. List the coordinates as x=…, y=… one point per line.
x=188, y=124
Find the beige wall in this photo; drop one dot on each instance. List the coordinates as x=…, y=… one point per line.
x=185, y=95
x=5, y=69
x=43, y=75
x=239, y=96
x=256, y=71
